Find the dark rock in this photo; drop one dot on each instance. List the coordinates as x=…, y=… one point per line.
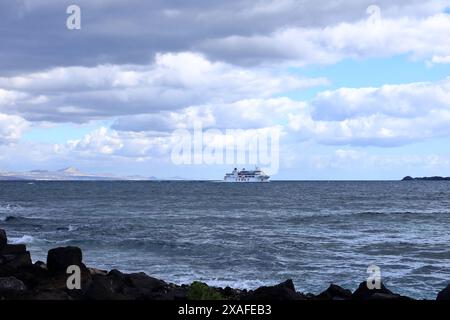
x=13, y=249
x=58, y=281
x=282, y=291
x=140, y=285
x=10, y=285
x=385, y=296
x=175, y=293
x=41, y=295
x=364, y=293
x=17, y=260
x=335, y=292
x=116, y=273
x=230, y=293
x=145, y=282
x=120, y=286
x=3, y=239
x=435, y=178
x=41, y=265
x=10, y=218
x=52, y=295
x=31, y=275
x=444, y=294
x=94, y=271
x=310, y=296
x=104, y=287
x=59, y=259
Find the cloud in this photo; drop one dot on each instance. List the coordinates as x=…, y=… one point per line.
x=9, y=97
x=399, y=101
x=420, y=38
x=243, y=114
x=386, y=116
x=350, y=158
x=173, y=81
x=440, y=59
x=157, y=66
x=105, y=143
x=131, y=32
x=99, y=141
x=11, y=128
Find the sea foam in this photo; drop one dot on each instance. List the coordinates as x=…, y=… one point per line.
x=26, y=239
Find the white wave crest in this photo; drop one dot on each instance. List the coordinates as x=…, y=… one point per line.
x=8, y=207
x=26, y=239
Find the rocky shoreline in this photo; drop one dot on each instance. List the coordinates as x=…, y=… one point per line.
x=20, y=279
x=435, y=178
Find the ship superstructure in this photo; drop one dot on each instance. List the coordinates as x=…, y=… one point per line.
x=243, y=175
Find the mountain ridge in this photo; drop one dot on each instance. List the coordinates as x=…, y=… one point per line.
x=66, y=174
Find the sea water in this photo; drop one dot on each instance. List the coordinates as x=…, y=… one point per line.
x=244, y=235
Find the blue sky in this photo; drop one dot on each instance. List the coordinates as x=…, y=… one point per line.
x=353, y=96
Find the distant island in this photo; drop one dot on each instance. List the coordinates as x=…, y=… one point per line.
x=73, y=174
x=66, y=174
x=436, y=178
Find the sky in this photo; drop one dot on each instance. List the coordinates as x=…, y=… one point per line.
x=355, y=89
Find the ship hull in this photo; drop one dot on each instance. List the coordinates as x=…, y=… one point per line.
x=245, y=180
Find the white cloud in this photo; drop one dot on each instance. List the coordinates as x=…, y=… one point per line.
x=387, y=116
x=421, y=38
x=173, y=81
x=398, y=101
x=350, y=158
x=9, y=97
x=242, y=114
x=107, y=143
x=440, y=59
x=99, y=141
x=11, y=128
x=132, y=31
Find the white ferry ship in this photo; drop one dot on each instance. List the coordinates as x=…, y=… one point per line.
x=256, y=175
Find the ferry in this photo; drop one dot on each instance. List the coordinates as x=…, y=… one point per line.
x=243, y=175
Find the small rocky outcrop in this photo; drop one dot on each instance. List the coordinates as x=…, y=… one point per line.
x=3, y=239
x=11, y=285
x=12, y=256
x=116, y=285
x=59, y=259
x=282, y=291
x=335, y=292
x=435, y=178
x=444, y=294
x=364, y=293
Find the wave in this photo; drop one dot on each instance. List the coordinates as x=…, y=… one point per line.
x=26, y=239
x=9, y=218
x=8, y=207
x=70, y=228
x=378, y=213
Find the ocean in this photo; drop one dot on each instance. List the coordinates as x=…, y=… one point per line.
x=244, y=235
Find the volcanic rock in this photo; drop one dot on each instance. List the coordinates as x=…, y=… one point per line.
x=59, y=259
